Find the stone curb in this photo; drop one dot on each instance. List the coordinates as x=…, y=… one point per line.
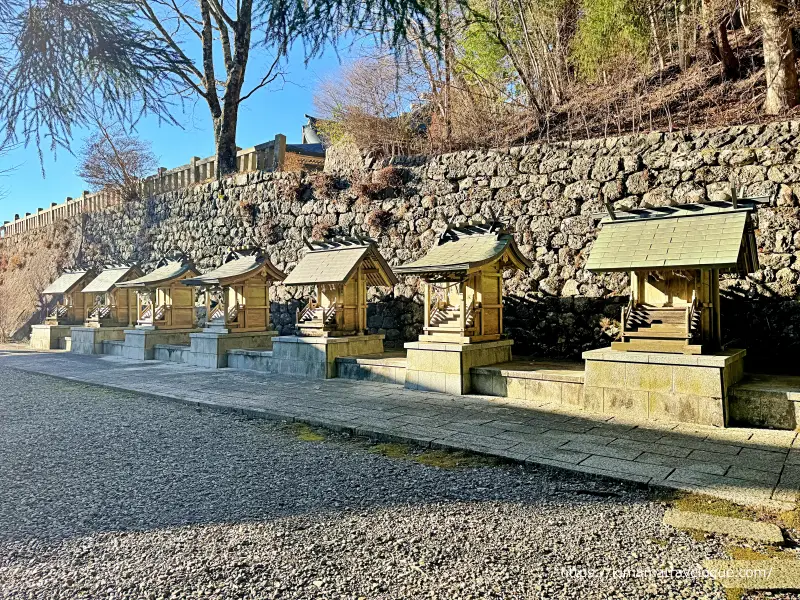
x=772, y=574
x=766, y=533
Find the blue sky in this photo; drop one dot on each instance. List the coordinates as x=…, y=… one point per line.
x=279, y=109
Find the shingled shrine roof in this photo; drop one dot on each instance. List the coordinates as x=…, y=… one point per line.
x=166, y=271
x=464, y=248
x=66, y=283
x=109, y=278
x=336, y=260
x=717, y=235
x=238, y=265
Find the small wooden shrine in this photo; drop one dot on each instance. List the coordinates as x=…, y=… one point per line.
x=675, y=255
x=237, y=293
x=463, y=276
x=70, y=302
x=340, y=269
x=163, y=302
x=107, y=305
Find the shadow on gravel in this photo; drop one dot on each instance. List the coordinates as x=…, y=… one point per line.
x=79, y=460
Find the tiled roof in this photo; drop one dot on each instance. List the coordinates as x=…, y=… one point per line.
x=337, y=261
x=109, y=278
x=465, y=248
x=691, y=236
x=166, y=272
x=65, y=283
x=237, y=265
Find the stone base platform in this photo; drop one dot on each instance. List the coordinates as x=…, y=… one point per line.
x=176, y=353
x=89, y=340
x=532, y=382
x=659, y=386
x=209, y=348
x=440, y=367
x=49, y=337
x=309, y=357
x=113, y=347
x=771, y=401
x=140, y=343
x=388, y=367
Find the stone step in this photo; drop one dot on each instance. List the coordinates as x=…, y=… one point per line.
x=387, y=368
x=654, y=332
x=771, y=401
x=765, y=533
x=650, y=345
x=770, y=574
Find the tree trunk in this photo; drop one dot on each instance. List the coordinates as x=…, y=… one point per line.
x=683, y=55
x=656, y=40
x=225, y=141
x=730, y=62
x=779, y=58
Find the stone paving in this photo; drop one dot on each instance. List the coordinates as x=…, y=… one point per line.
x=749, y=466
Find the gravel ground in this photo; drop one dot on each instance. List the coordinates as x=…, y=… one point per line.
x=106, y=494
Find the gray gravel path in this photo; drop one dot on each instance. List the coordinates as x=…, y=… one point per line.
x=105, y=494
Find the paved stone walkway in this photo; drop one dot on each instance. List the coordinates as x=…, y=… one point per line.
x=749, y=466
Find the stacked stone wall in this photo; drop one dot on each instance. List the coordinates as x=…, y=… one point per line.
x=548, y=194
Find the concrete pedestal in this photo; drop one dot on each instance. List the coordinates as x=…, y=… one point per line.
x=49, y=337
x=442, y=367
x=315, y=357
x=658, y=386
x=209, y=348
x=89, y=340
x=140, y=342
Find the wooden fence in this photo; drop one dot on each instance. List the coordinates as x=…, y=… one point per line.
x=269, y=156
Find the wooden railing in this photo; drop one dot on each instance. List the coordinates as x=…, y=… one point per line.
x=269, y=156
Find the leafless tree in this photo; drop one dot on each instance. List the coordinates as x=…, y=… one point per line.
x=69, y=58
x=369, y=103
x=115, y=160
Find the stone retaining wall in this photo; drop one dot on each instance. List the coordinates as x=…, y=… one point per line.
x=547, y=193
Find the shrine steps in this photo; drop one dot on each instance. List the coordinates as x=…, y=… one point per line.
x=113, y=347
x=532, y=382
x=176, y=353
x=389, y=367
x=770, y=401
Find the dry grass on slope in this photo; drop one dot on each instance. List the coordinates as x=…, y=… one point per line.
x=666, y=100
x=27, y=266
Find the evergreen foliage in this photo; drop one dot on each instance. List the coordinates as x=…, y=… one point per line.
x=610, y=32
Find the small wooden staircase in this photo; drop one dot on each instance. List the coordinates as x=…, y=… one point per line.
x=448, y=319
x=659, y=329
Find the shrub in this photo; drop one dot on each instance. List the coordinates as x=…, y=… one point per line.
x=366, y=190
x=291, y=189
x=247, y=210
x=320, y=231
x=323, y=184
x=379, y=219
x=389, y=177
x=16, y=262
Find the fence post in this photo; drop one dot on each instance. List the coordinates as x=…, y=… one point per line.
x=279, y=152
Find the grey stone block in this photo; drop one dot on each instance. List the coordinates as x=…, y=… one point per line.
x=765, y=533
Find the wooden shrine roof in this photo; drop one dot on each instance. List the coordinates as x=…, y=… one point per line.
x=462, y=249
x=66, y=282
x=110, y=277
x=167, y=270
x=715, y=235
x=238, y=265
x=336, y=260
